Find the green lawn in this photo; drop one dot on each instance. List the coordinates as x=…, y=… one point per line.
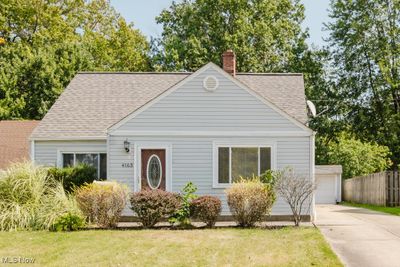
x=220, y=247
x=390, y=210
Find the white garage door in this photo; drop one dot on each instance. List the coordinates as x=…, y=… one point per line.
x=325, y=193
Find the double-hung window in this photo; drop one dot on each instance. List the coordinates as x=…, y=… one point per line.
x=97, y=160
x=236, y=162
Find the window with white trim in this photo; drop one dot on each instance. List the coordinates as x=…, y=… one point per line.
x=235, y=162
x=97, y=160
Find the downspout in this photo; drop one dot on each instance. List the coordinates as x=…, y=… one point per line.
x=313, y=212
x=32, y=151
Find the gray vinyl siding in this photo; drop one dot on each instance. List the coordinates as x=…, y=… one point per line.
x=192, y=108
x=45, y=152
x=192, y=160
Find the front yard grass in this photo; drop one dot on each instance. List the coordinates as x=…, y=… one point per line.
x=390, y=210
x=217, y=247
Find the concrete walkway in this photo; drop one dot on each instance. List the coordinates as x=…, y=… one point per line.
x=361, y=237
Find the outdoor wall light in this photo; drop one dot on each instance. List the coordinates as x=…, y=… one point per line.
x=127, y=145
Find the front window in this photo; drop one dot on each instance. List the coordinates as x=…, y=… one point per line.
x=97, y=160
x=236, y=162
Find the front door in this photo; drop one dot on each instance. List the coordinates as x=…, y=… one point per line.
x=153, y=169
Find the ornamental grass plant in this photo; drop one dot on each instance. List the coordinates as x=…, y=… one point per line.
x=32, y=200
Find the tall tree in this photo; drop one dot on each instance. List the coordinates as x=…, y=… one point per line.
x=266, y=35
x=365, y=45
x=43, y=43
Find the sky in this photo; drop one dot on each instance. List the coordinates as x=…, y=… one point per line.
x=143, y=12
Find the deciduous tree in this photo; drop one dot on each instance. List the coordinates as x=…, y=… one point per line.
x=365, y=45
x=44, y=43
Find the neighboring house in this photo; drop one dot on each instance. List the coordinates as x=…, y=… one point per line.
x=162, y=130
x=14, y=143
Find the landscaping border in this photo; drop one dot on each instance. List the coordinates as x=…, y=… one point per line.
x=229, y=218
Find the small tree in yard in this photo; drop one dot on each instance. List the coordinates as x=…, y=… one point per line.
x=296, y=191
x=182, y=215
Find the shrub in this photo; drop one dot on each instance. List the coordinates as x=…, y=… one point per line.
x=249, y=200
x=268, y=177
x=206, y=209
x=357, y=157
x=153, y=205
x=102, y=202
x=296, y=191
x=31, y=200
x=182, y=215
x=68, y=222
x=72, y=177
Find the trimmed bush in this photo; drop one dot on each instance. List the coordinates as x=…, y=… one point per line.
x=249, y=200
x=72, y=177
x=102, y=202
x=31, y=200
x=206, y=209
x=153, y=205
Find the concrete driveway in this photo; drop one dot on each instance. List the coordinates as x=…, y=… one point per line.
x=361, y=237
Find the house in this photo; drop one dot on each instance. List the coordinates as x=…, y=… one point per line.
x=162, y=130
x=14, y=141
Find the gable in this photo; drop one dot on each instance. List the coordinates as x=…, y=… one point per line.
x=189, y=107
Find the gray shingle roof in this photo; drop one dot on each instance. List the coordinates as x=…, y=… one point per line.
x=92, y=102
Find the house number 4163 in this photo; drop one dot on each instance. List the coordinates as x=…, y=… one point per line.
x=127, y=165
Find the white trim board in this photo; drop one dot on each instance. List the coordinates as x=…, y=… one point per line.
x=132, y=115
x=32, y=151
x=212, y=133
x=313, y=210
x=70, y=138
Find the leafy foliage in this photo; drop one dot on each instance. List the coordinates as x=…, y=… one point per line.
x=102, y=202
x=365, y=46
x=206, y=208
x=153, y=205
x=356, y=157
x=249, y=200
x=31, y=200
x=69, y=222
x=182, y=215
x=267, y=177
x=44, y=44
x=72, y=177
x=265, y=35
x=296, y=191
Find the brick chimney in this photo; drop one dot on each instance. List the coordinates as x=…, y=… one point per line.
x=229, y=62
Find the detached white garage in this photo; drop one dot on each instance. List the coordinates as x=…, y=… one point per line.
x=329, y=184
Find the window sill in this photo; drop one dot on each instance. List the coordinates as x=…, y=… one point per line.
x=221, y=186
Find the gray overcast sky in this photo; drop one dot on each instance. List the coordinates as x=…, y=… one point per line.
x=143, y=12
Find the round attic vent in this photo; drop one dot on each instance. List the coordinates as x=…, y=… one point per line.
x=210, y=83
